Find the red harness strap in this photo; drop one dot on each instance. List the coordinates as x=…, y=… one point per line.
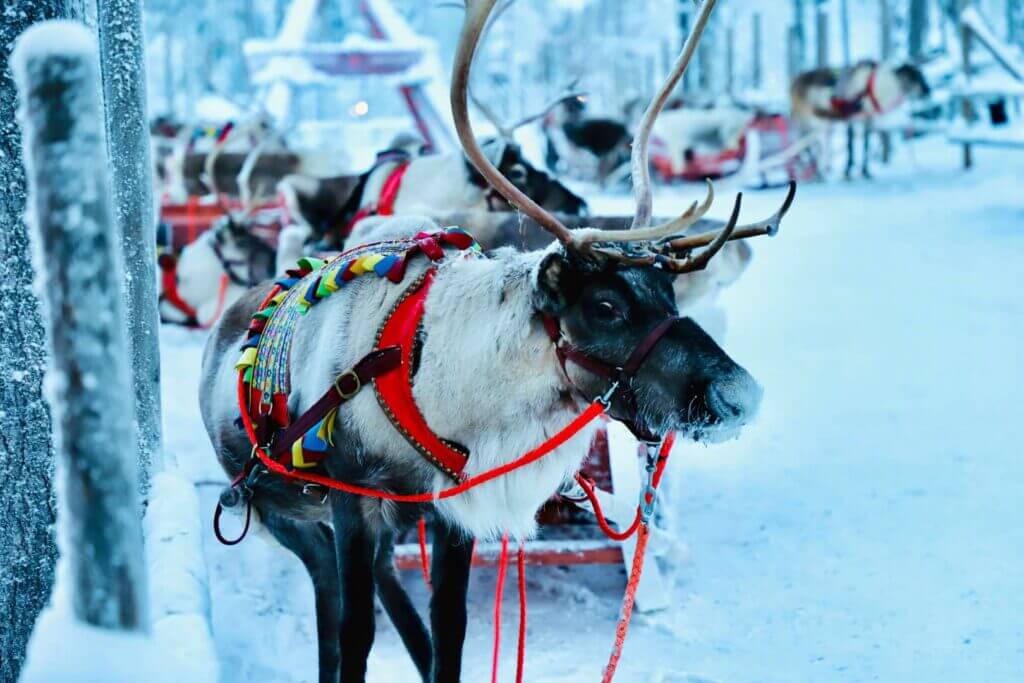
x=846, y=108
x=169, y=285
x=394, y=390
x=385, y=205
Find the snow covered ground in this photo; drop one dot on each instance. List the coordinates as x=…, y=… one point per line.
x=867, y=527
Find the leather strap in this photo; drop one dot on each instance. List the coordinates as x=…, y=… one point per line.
x=645, y=347
x=373, y=365
x=624, y=375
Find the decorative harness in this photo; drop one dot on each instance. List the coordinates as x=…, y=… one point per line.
x=385, y=204
x=264, y=364
x=848, y=107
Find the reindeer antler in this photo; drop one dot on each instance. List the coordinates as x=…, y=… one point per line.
x=506, y=130
x=675, y=255
x=477, y=12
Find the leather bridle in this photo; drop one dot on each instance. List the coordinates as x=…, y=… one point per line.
x=620, y=377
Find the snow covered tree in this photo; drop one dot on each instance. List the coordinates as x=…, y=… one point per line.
x=1015, y=21
x=28, y=551
x=797, y=43
x=89, y=383
x=124, y=88
x=917, y=37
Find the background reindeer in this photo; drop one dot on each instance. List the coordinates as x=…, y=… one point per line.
x=429, y=184
x=590, y=147
x=214, y=270
x=854, y=96
x=602, y=291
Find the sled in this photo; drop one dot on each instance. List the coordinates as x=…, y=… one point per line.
x=569, y=536
x=768, y=151
x=181, y=224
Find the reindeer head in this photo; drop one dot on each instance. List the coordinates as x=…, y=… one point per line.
x=912, y=82
x=508, y=158
x=606, y=297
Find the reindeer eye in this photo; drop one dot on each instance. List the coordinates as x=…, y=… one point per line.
x=608, y=312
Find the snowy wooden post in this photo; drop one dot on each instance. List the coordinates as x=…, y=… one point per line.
x=124, y=89
x=80, y=275
x=966, y=110
x=28, y=551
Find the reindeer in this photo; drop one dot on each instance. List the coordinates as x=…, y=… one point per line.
x=854, y=96
x=225, y=261
x=549, y=329
x=587, y=146
x=404, y=182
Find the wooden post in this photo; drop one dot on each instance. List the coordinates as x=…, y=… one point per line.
x=28, y=548
x=131, y=164
x=73, y=227
x=757, y=75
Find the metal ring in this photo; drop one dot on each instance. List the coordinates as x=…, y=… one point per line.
x=337, y=384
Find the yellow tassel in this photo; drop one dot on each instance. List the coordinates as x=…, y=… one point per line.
x=297, y=459
x=326, y=431
x=248, y=359
x=357, y=267
x=370, y=260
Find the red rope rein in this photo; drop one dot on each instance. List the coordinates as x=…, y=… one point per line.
x=421, y=534
x=499, y=590
x=628, y=600
x=521, y=648
x=569, y=431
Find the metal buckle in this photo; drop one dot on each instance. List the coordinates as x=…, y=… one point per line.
x=606, y=398
x=337, y=384
x=649, y=494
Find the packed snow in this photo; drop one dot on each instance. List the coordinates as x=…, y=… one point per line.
x=866, y=527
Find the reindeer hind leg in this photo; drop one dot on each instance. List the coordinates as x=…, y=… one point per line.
x=313, y=543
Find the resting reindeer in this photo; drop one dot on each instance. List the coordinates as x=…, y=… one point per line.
x=496, y=352
x=404, y=182
x=854, y=95
x=225, y=261
x=588, y=147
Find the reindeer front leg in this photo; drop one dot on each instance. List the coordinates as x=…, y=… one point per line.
x=355, y=544
x=865, y=169
x=850, y=154
x=449, y=571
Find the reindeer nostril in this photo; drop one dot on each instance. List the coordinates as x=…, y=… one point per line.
x=725, y=401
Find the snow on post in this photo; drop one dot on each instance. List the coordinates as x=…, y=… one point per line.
x=124, y=88
x=28, y=551
x=79, y=278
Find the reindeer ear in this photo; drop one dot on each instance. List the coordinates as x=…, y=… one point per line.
x=559, y=283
